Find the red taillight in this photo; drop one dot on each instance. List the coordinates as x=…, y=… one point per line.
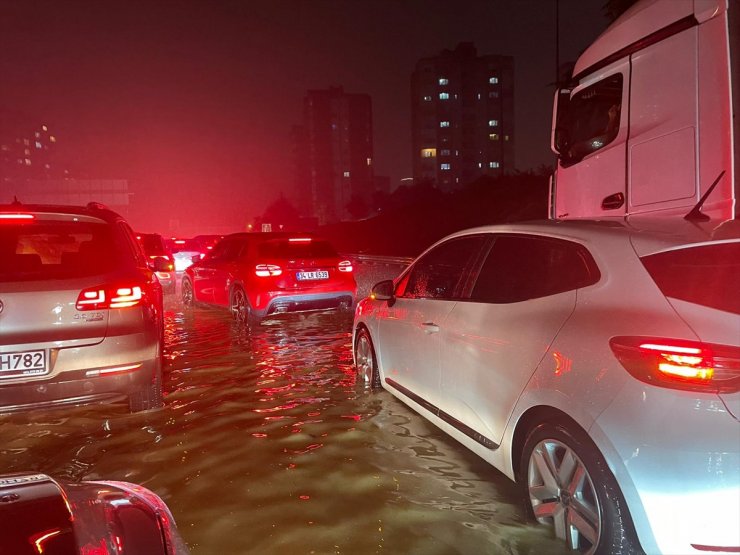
x=16, y=217
x=97, y=298
x=299, y=240
x=267, y=270
x=345, y=266
x=680, y=364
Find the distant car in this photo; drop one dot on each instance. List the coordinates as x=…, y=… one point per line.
x=81, y=317
x=258, y=274
x=596, y=363
x=187, y=251
x=55, y=517
x=155, y=248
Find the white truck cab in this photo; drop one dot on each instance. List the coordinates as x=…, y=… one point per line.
x=650, y=121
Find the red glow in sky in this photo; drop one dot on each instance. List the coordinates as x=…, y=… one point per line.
x=192, y=102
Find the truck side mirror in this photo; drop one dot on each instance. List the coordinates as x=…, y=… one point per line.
x=560, y=135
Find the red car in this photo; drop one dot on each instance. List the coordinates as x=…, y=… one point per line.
x=258, y=274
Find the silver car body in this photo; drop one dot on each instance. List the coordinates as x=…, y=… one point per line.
x=486, y=373
x=84, y=355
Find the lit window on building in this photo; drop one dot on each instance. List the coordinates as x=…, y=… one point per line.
x=44, y=128
x=480, y=164
x=27, y=161
x=444, y=123
x=38, y=144
x=369, y=161
x=427, y=98
x=493, y=136
x=492, y=123
x=478, y=96
x=37, y=134
x=506, y=137
x=445, y=152
x=493, y=165
x=444, y=96
x=27, y=152
x=493, y=94
x=493, y=80
x=346, y=174
x=444, y=166
x=444, y=81
x=428, y=152
x=26, y=142
x=52, y=138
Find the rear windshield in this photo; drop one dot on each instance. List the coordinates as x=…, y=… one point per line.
x=708, y=275
x=153, y=244
x=55, y=250
x=283, y=248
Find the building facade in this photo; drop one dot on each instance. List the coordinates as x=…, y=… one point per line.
x=462, y=108
x=333, y=155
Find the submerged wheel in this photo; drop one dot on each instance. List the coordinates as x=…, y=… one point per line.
x=150, y=397
x=187, y=292
x=365, y=360
x=240, y=309
x=570, y=488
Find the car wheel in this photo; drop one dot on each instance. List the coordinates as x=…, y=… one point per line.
x=150, y=397
x=240, y=308
x=365, y=360
x=187, y=292
x=569, y=487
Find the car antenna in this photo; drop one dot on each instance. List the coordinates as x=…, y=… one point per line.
x=15, y=202
x=696, y=214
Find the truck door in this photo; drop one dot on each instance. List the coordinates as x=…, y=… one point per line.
x=590, y=138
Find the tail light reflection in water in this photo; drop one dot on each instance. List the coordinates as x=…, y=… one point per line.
x=266, y=445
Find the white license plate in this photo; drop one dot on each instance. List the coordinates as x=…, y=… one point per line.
x=23, y=363
x=306, y=276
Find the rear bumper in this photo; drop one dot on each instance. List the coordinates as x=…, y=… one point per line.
x=278, y=303
x=77, y=388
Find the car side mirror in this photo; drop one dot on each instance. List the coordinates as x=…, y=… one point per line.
x=383, y=291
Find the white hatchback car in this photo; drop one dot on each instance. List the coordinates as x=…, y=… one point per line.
x=597, y=363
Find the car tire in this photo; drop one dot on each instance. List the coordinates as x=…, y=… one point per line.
x=240, y=308
x=188, y=297
x=569, y=486
x=149, y=397
x=366, y=365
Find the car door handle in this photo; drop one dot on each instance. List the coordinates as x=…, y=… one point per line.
x=430, y=327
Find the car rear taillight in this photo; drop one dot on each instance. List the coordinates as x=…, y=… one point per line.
x=267, y=270
x=96, y=298
x=345, y=266
x=680, y=364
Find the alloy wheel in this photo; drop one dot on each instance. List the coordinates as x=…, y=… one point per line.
x=364, y=359
x=240, y=305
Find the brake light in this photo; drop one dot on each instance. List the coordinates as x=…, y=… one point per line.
x=16, y=217
x=299, y=240
x=97, y=298
x=267, y=270
x=345, y=266
x=679, y=364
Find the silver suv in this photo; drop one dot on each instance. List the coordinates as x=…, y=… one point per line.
x=81, y=316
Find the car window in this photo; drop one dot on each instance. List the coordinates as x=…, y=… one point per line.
x=228, y=249
x=134, y=246
x=56, y=250
x=708, y=275
x=520, y=267
x=153, y=244
x=287, y=249
x=440, y=273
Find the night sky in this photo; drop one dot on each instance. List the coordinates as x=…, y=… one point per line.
x=193, y=101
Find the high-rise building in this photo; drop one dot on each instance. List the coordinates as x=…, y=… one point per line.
x=462, y=117
x=26, y=148
x=333, y=155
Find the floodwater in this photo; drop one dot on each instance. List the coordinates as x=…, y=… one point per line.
x=267, y=445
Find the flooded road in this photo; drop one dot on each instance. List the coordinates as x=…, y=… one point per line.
x=267, y=445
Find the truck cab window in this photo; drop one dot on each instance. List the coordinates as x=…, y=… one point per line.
x=591, y=120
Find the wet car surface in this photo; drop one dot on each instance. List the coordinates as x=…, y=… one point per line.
x=266, y=444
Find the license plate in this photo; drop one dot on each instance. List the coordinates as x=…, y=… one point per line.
x=306, y=276
x=23, y=363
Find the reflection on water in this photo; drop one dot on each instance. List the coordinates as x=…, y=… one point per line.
x=266, y=445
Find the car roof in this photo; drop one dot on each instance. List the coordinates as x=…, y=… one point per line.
x=647, y=235
x=92, y=209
